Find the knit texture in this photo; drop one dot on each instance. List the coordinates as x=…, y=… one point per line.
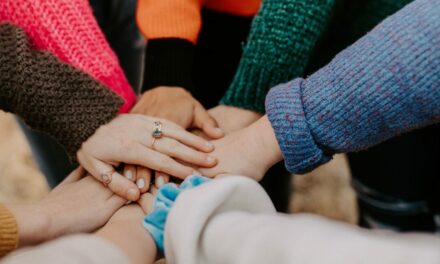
x=182, y=18
x=386, y=84
x=8, y=231
x=49, y=95
x=68, y=29
x=282, y=37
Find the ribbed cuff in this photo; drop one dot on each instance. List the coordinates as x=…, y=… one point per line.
x=285, y=112
x=163, y=203
x=8, y=231
x=169, y=62
x=249, y=87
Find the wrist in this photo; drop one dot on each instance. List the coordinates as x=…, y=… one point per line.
x=268, y=143
x=33, y=224
x=132, y=239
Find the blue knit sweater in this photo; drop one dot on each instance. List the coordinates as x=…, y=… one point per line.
x=385, y=84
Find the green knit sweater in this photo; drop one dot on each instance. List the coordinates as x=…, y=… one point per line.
x=287, y=34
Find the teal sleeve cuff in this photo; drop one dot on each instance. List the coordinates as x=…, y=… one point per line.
x=165, y=198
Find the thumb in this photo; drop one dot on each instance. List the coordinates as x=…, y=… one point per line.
x=205, y=122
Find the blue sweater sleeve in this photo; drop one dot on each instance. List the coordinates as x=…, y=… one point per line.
x=385, y=84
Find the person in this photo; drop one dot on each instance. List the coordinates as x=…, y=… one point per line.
x=82, y=116
x=97, y=209
x=228, y=220
x=75, y=38
x=380, y=87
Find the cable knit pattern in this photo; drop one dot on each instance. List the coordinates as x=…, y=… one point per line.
x=49, y=95
x=386, y=84
x=282, y=38
x=68, y=29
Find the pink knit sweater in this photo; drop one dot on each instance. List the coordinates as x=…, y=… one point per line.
x=68, y=29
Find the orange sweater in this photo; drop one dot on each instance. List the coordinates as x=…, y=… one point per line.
x=182, y=18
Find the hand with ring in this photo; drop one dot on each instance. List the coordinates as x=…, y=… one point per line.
x=149, y=143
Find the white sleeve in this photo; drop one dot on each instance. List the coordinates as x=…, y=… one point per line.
x=74, y=249
x=232, y=220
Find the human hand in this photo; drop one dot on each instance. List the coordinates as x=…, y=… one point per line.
x=78, y=204
x=128, y=139
x=179, y=106
x=249, y=152
x=231, y=118
x=125, y=230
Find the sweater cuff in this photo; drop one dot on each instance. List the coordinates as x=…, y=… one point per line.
x=8, y=231
x=169, y=62
x=165, y=198
x=285, y=111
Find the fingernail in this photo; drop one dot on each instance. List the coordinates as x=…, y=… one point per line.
x=210, y=159
x=160, y=181
x=129, y=175
x=209, y=144
x=140, y=183
x=197, y=173
x=132, y=194
x=219, y=130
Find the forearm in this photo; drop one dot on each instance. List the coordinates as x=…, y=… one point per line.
x=49, y=95
x=281, y=40
x=384, y=85
x=135, y=242
x=68, y=29
x=240, y=237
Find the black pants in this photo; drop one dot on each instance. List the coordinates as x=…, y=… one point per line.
x=398, y=182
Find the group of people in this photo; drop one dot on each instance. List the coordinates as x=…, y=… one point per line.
x=172, y=134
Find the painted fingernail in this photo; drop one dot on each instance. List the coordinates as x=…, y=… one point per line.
x=210, y=159
x=160, y=181
x=140, y=183
x=197, y=173
x=129, y=175
x=132, y=194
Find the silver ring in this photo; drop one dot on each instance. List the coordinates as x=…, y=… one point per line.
x=106, y=178
x=157, y=129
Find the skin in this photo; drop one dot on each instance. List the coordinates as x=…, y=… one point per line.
x=92, y=203
x=128, y=139
x=176, y=105
x=125, y=231
x=231, y=118
x=250, y=151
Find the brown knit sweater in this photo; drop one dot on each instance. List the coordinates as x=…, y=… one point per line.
x=51, y=96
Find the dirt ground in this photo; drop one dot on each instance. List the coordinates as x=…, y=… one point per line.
x=325, y=191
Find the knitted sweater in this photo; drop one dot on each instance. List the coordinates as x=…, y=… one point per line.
x=49, y=95
x=172, y=28
x=385, y=84
x=68, y=29
x=284, y=38
x=8, y=231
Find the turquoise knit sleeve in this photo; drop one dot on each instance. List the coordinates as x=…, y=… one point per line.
x=281, y=40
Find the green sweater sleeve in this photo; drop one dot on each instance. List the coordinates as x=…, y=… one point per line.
x=281, y=40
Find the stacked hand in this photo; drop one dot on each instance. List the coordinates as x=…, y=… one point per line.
x=129, y=139
x=176, y=105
